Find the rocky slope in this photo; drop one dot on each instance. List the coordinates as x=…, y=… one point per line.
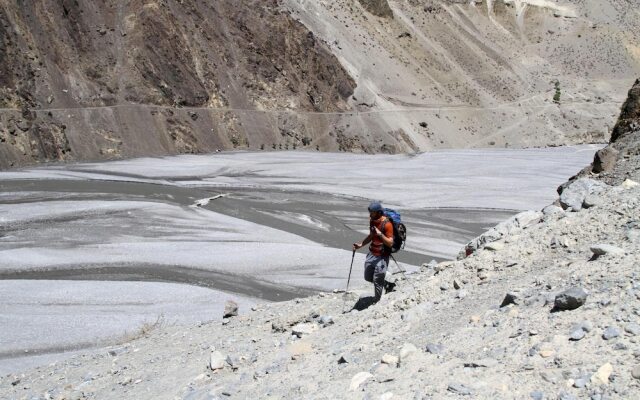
x=82, y=81
x=550, y=309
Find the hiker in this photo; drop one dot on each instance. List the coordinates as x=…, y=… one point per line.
x=381, y=239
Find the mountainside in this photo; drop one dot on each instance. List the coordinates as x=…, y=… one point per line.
x=81, y=80
x=548, y=310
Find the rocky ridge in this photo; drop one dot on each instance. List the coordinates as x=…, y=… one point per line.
x=549, y=309
x=82, y=80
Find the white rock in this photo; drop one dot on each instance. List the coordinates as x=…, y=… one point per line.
x=387, y=396
x=217, y=360
x=528, y=218
x=601, y=249
x=390, y=359
x=628, y=184
x=304, y=329
x=407, y=351
x=601, y=377
x=495, y=246
x=358, y=379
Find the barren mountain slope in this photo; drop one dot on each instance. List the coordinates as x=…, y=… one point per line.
x=483, y=73
x=83, y=79
x=86, y=80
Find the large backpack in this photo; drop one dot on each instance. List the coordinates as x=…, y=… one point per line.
x=399, y=229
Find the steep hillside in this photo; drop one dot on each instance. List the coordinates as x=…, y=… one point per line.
x=550, y=310
x=82, y=80
x=460, y=73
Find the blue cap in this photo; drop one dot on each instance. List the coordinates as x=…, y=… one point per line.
x=375, y=206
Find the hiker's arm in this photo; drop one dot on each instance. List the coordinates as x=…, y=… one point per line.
x=366, y=241
x=387, y=236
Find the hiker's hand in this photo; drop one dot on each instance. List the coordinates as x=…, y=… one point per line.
x=356, y=246
x=378, y=232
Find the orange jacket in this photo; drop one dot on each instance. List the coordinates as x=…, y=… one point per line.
x=377, y=247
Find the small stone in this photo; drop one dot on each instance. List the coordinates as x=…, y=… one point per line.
x=386, y=396
x=570, y=299
x=592, y=200
x=230, y=309
x=566, y=396
x=435, y=348
x=303, y=329
x=494, y=246
x=628, y=184
x=602, y=249
x=456, y=284
x=484, y=363
x=461, y=294
x=635, y=372
x=577, y=334
x=217, y=360
x=358, y=379
x=537, y=395
x=474, y=319
x=632, y=329
x=326, y=320
x=611, y=332
x=459, y=388
x=513, y=297
x=407, y=351
x=547, y=353
x=552, y=209
x=580, y=383
x=601, y=377
x=390, y=360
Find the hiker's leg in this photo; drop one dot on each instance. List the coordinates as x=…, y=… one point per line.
x=369, y=268
x=378, y=276
x=378, y=285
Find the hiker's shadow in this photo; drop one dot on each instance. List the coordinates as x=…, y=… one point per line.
x=364, y=302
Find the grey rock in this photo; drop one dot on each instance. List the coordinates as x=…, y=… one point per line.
x=586, y=325
x=459, y=388
x=605, y=159
x=632, y=329
x=566, y=396
x=580, y=383
x=573, y=195
x=230, y=309
x=484, y=363
x=635, y=372
x=602, y=249
x=513, y=297
x=326, y=320
x=537, y=395
x=303, y=329
x=456, y=284
x=577, y=334
x=592, y=200
x=611, y=332
x=570, y=299
x=435, y=348
x=552, y=210
x=461, y=294
x=528, y=218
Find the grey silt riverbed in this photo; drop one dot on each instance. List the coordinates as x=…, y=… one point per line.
x=280, y=225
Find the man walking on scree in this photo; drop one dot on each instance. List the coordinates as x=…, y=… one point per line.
x=381, y=239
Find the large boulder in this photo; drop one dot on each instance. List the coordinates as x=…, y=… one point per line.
x=573, y=196
x=570, y=299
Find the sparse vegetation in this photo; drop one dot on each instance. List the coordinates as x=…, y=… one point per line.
x=556, y=96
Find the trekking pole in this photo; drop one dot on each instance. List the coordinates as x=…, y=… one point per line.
x=344, y=298
x=353, y=256
x=403, y=272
